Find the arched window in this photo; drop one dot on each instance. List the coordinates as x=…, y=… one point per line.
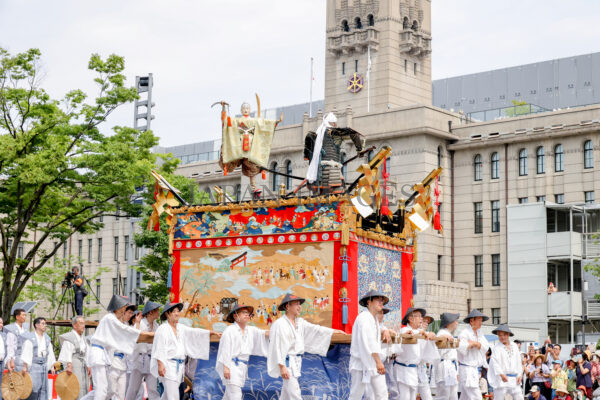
x=288, y=171
x=439, y=155
x=588, y=154
x=344, y=166
x=540, y=158
x=274, y=178
x=477, y=165
x=495, y=166
x=345, y=26
x=559, y=157
x=357, y=23
x=405, y=23
x=415, y=26
x=522, y=162
x=371, y=20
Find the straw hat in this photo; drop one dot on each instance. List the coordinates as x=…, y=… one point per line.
x=67, y=386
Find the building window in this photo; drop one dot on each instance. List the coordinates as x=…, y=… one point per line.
x=99, y=250
x=20, y=250
x=558, y=158
x=405, y=65
x=589, y=197
x=415, y=26
x=288, y=171
x=358, y=23
x=495, y=269
x=101, y=218
x=124, y=286
x=126, y=254
x=495, y=316
x=238, y=193
x=478, y=211
x=439, y=268
x=343, y=68
x=415, y=68
x=478, y=271
x=495, y=216
x=345, y=26
x=371, y=20
x=89, y=251
x=522, y=162
x=495, y=166
x=588, y=154
x=477, y=166
x=405, y=23
x=439, y=156
x=98, y=291
x=355, y=65
x=65, y=246
x=274, y=178
x=559, y=198
x=540, y=199
x=540, y=156
x=523, y=200
x=116, y=249
x=80, y=249
x=114, y=285
x=137, y=252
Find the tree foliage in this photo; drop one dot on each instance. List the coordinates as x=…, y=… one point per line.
x=58, y=171
x=155, y=264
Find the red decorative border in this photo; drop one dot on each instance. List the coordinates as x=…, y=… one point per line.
x=281, y=238
x=175, y=276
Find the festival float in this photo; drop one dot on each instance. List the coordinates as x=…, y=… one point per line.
x=330, y=247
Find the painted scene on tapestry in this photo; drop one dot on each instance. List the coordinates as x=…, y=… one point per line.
x=213, y=281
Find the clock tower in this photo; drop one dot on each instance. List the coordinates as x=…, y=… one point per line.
x=396, y=36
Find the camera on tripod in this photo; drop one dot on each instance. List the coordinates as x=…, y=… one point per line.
x=68, y=280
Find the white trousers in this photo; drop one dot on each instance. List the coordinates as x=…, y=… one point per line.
x=171, y=389
x=407, y=392
x=470, y=393
x=424, y=391
x=232, y=392
x=376, y=389
x=290, y=389
x=117, y=380
x=135, y=385
x=515, y=391
x=390, y=381
x=100, y=378
x=445, y=392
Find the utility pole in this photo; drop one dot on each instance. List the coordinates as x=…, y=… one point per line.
x=143, y=84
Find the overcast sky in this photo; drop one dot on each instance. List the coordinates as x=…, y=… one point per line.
x=204, y=51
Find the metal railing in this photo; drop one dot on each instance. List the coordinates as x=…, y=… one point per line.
x=505, y=112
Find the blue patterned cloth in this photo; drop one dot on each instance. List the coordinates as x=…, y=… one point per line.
x=320, y=376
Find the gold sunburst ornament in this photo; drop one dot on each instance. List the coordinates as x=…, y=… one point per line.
x=355, y=83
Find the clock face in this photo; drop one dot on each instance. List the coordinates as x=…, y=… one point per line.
x=355, y=83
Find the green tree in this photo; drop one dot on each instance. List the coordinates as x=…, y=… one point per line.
x=155, y=264
x=58, y=172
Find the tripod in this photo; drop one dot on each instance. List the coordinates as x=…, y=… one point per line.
x=69, y=295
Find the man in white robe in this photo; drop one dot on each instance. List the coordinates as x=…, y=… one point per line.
x=15, y=340
x=506, y=371
x=238, y=343
x=446, y=370
x=110, y=336
x=424, y=367
x=367, y=372
x=471, y=355
x=173, y=342
x=38, y=358
x=141, y=357
x=73, y=350
x=117, y=373
x=289, y=338
x=411, y=355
